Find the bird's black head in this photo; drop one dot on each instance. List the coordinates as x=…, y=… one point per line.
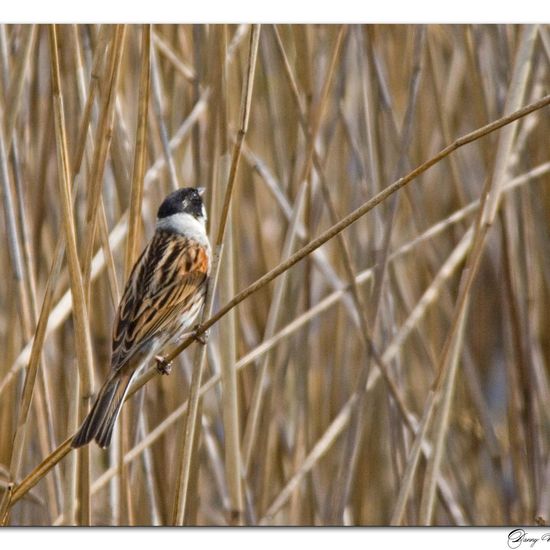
x=183, y=201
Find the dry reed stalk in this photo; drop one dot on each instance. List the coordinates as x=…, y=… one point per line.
x=516, y=97
x=18, y=241
x=358, y=213
x=33, y=478
x=228, y=330
x=481, y=459
x=138, y=173
x=95, y=74
x=187, y=72
x=63, y=307
x=330, y=300
x=13, y=94
x=83, y=341
x=184, y=459
x=251, y=430
x=102, y=143
x=449, y=359
x=157, y=95
x=25, y=320
x=431, y=295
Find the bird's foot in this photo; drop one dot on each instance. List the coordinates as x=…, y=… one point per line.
x=201, y=337
x=163, y=366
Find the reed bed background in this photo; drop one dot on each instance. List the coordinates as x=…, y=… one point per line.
x=397, y=374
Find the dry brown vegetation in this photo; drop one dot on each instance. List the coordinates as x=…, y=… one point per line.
x=395, y=371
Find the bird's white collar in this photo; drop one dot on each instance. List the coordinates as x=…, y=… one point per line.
x=186, y=225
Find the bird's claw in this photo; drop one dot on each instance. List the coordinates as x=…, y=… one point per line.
x=163, y=366
x=201, y=337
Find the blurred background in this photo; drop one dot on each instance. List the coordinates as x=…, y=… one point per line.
x=396, y=375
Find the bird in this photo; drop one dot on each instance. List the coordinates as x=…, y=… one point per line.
x=164, y=294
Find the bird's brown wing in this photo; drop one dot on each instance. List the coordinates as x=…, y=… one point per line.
x=165, y=280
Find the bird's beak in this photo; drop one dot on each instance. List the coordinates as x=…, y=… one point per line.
x=201, y=190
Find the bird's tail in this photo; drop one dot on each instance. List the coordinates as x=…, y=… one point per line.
x=101, y=419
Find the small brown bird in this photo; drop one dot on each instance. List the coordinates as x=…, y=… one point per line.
x=162, y=298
